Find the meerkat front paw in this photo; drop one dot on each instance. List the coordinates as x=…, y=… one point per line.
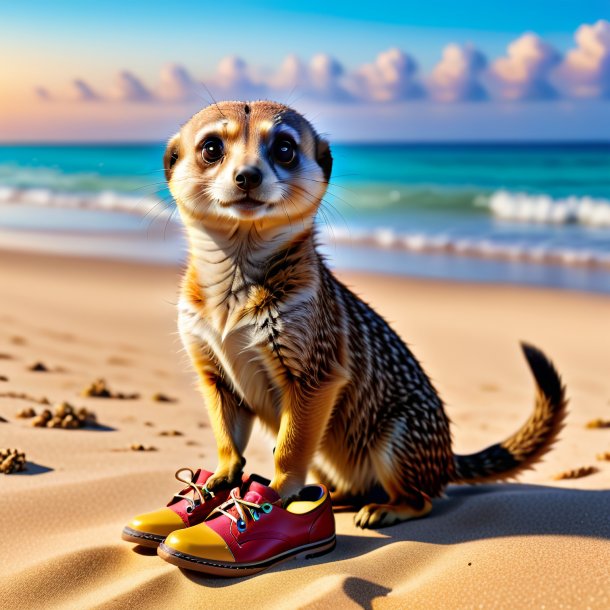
x=382, y=515
x=373, y=515
x=226, y=477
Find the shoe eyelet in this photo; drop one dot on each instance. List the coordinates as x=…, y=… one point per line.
x=255, y=514
x=241, y=525
x=189, y=509
x=266, y=507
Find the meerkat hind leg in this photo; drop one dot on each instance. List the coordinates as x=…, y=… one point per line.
x=413, y=506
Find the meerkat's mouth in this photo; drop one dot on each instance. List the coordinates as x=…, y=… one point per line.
x=246, y=203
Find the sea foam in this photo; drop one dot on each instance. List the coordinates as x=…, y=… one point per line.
x=389, y=239
x=109, y=201
x=503, y=205
x=524, y=207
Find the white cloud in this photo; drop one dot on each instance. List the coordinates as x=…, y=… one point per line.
x=530, y=70
x=292, y=74
x=456, y=77
x=524, y=73
x=390, y=78
x=321, y=79
x=233, y=80
x=586, y=69
x=129, y=88
x=325, y=73
x=82, y=92
x=43, y=94
x=177, y=85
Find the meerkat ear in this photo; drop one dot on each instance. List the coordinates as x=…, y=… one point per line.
x=171, y=156
x=323, y=157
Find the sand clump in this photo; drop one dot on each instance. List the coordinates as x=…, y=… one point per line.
x=603, y=457
x=170, y=433
x=26, y=413
x=64, y=415
x=12, y=460
x=39, y=367
x=576, y=473
x=160, y=397
x=598, y=423
x=99, y=389
x=140, y=447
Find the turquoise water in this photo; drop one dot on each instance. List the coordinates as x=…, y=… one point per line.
x=432, y=171
x=532, y=213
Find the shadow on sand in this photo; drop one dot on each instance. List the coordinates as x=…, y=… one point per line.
x=33, y=468
x=467, y=514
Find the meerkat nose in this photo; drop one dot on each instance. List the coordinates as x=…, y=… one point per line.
x=248, y=177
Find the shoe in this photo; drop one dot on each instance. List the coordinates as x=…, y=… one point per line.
x=183, y=510
x=245, y=535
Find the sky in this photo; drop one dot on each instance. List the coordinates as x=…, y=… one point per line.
x=414, y=71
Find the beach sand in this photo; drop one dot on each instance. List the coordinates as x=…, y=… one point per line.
x=538, y=543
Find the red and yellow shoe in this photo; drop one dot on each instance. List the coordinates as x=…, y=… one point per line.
x=188, y=507
x=245, y=535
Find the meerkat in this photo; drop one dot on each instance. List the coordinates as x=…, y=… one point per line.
x=274, y=335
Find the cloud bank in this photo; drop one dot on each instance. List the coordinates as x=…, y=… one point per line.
x=82, y=92
x=524, y=73
x=176, y=84
x=456, y=78
x=129, y=88
x=391, y=77
x=531, y=70
x=586, y=69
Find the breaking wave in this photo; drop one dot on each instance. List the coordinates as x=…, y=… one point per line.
x=109, y=201
x=389, y=239
x=543, y=209
x=504, y=205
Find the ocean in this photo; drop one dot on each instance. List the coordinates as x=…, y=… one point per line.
x=536, y=214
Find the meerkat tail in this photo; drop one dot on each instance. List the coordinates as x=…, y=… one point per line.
x=532, y=441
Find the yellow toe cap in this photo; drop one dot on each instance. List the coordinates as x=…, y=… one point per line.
x=160, y=522
x=200, y=541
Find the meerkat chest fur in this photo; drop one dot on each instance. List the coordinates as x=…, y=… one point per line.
x=243, y=302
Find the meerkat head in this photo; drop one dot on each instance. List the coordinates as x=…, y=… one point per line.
x=247, y=161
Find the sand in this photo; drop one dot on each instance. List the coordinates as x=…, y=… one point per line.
x=539, y=543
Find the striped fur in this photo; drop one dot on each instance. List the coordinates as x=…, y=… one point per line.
x=274, y=335
x=532, y=441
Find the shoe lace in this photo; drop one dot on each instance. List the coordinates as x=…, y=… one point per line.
x=243, y=508
x=200, y=492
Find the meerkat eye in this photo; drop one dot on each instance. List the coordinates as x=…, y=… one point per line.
x=173, y=159
x=284, y=151
x=213, y=150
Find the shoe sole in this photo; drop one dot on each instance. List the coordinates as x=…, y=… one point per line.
x=235, y=570
x=142, y=538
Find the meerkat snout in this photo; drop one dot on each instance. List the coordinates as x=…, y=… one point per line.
x=248, y=177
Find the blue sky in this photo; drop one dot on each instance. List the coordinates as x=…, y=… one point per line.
x=53, y=44
x=354, y=29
